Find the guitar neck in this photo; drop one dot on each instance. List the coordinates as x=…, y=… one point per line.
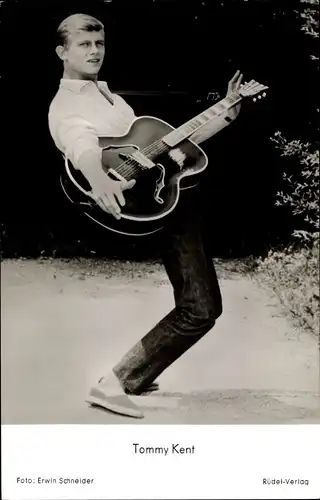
x=187, y=129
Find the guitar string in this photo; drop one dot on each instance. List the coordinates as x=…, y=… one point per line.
x=128, y=167
x=130, y=164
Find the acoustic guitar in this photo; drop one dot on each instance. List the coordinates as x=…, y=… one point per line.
x=163, y=161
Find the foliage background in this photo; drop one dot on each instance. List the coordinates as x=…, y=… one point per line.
x=293, y=273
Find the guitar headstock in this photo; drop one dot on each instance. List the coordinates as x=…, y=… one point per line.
x=253, y=88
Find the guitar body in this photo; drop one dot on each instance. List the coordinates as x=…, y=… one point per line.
x=157, y=189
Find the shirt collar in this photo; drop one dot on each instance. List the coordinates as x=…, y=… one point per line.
x=79, y=85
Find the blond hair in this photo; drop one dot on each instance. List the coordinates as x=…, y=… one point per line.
x=74, y=23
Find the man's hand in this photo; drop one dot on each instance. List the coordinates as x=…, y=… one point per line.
x=105, y=191
x=235, y=84
x=109, y=193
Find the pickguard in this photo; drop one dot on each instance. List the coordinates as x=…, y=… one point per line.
x=178, y=156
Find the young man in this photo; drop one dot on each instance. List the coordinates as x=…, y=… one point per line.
x=82, y=110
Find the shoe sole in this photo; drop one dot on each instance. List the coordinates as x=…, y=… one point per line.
x=127, y=412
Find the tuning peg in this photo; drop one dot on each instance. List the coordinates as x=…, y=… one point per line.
x=261, y=96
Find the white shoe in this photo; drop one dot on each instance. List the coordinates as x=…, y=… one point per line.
x=110, y=394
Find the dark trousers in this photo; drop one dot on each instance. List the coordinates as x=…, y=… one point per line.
x=198, y=303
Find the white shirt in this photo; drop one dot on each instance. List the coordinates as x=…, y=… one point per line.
x=79, y=114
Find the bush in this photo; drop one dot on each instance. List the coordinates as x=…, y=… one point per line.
x=301, y=190
x=301, y=186
x=293, y=274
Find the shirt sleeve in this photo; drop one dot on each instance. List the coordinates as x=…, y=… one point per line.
x=74, y=135
x=77, y=136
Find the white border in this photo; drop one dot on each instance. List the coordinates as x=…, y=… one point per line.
x=229, y=462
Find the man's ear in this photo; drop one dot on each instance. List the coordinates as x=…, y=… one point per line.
x=60, y=51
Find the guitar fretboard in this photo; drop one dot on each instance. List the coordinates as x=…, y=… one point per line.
x=187, y=129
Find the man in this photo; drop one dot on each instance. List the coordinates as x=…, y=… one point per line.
x=83, y=109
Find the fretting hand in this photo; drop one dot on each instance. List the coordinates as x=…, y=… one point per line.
x=235, y=84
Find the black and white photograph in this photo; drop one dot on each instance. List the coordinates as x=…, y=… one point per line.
x=160, y=214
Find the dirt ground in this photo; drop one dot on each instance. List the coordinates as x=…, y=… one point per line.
x=65, y=323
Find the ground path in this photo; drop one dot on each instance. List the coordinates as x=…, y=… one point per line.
x=65, y=322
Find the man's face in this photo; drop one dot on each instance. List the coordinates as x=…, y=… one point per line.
x=83, y=56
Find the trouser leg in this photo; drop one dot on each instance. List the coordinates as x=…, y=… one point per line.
x=197, y=304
